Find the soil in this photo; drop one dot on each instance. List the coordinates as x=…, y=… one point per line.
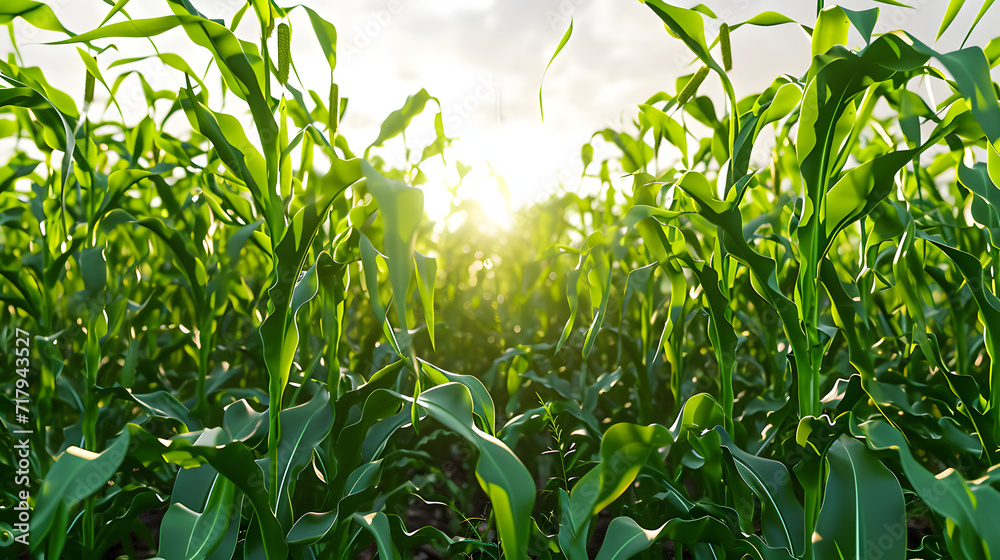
x=916, y=529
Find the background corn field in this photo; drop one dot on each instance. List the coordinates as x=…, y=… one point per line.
x=239, y=336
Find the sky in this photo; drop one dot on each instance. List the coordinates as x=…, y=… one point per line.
x=484, y=61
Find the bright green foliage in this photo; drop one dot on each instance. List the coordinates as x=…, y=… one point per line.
x=721, y=346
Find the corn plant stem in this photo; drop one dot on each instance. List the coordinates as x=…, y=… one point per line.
x=48, y=305
x=807, y=285
x=276, y=225
x=807, y=290
x=203, y=352
x=991, y=340
x=734, y=123
x=88, y=524
x=724, y=263
x=331, y=315
x=90, y=443
x=808, y=365
x=961, y=340
x=264, y=55
x=728, y=400
x=89, y=423
x=273, y=435
x=992, y=343
x=812, y=481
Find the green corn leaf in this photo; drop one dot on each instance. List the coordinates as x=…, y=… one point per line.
x=863, y=506
x=625, y=538
x=76, y=474
x=265, y=13
x=172, y=60
x=764, y=19
x=118, y=7
x=303, y=427
x=133, y=28
x=190, y=264
x=94, y=269
x=426, y=268
x=370, y=265
x=311, y=527
x=290, y=290
x=689, y=26
x=237, y=241
x=30, y=97
x=440, y=143
x=431, y=536
x=482, y=402
x=860, y=191
x=226, y=547
x=243, y=423
x=119, y=182
x=831, y=30
x=666, y=128
x=34, y=79
x=38, y=14
x=160, y=404
x=624, y=450
x=232, y=460
x=574, y=527
x=316, y=527
x=700, y=412
x=243, y=77
x=94, y=70
x=378, y=524
x=947, y=494
x=400, y=119
x=770, y=481
x=559, y=48
x=636, y=281
x=326, y=34
x=193, y=535
x=572, y=288
x=949, y=16
x=640, y=212
x=238, y=155
x=401, y=207
x=500, y=473
x=987, y=4
x=125, y=507
x=27, y=286
x=602, y=288
x=864, y=21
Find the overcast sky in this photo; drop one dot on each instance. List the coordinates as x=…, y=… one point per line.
x=484, y=60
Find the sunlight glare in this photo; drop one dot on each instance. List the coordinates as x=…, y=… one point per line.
x=504, y=175
x=481, y=185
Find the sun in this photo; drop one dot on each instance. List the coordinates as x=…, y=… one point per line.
x=446, y=190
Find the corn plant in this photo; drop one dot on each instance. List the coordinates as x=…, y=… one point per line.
x=241, y=338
